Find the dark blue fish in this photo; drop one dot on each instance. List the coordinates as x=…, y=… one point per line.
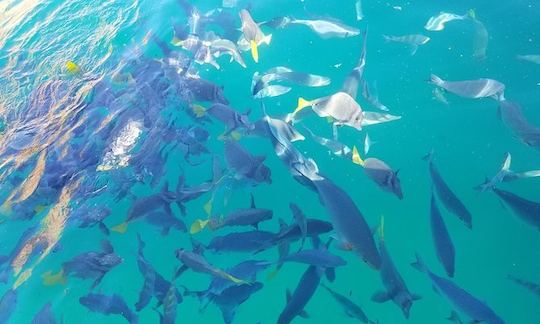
x=165, y=221
x=353, y=79
x=302, y=294
x=170, y=304
x=533, y=287
x=301, y=220
x=441, y=238
x=109, y=304
x=92, y=265
x=512, y=115
x=231, y=118
x=8, y=302
x=44, y=316
x=241, y=241
x=454, y=317
x=242, y=217
x=396, y=289
x=6, y=260
x=204, y=90
x=351, y=309
x=464, y=302
x=90, y=216
x=198, y=263
x=446, y=195
x=231, y=298
x=317, y=257
x=246, y=165
x=527, y=210
x=350, y=225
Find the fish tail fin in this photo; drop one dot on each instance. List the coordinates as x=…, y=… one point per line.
x=51, y=279
x=435, y=79
x=198, y=225
x=471, y=13
x=72, y=67
x=198, y=110
x=419, y=264
x=356, y=159
x=254, y=51
x=302, y=103
x=120, y=228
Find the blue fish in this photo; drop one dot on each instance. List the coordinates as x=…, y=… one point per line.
x=459, y=298
x=245, y=165
x=527, y=210
x=302, y=294
x=165, y=221
x=351, y=309
x=442, y=240
x=6, y=260
x=446, y=195
x=109, y=304
x=241, y=241
x=396, y=289
x=317, y=257
x=533, y=287
x=44, y=316
x=231, y=298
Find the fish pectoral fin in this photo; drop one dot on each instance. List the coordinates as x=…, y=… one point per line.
x=120, y=228
x=380, y=297
x=416, y=297
x=254, y=51
x=303, y=314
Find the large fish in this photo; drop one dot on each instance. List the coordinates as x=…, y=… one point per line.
x=251, y=241
x=378, y=171
x=8, y=303
x=245, y=165
x=396, y=289
x=441, y=238
x=527, y=210
x=446, y=195
x=262, y=84
x=480, y=88
x=506, y=175
x=198, y=263
x=532, y=286
x=464, y=302
x=297, y=301
x=109, y=304
x=328, y=28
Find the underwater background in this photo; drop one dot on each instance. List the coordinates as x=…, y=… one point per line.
x=467, y=137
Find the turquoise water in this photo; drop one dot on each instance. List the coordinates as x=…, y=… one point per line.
x=41, y=103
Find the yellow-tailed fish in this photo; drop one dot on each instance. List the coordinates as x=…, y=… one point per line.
x=50, y=279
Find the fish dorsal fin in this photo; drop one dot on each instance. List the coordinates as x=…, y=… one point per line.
x=252, y=201
x=303, y=314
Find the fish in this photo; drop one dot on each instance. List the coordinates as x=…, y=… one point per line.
x=297, y=301
x=463, y=301
x=533, y=287
x=374, y=118
x=355, y=77
x=530, y=58
x=380, y=173
x=170, y=304
x=198, y=263
x=335, y=147
x=341, y=107
x=165, y=221
x=438, y=22
x=396, y=289
x=506, y=175
x=109, y=304
x=368, y=143
x=45, y=315
x=358, y=8
x=527, y=210
x=245, y=165
x=253, y=34
x=454, y=317
x=481, y=37
x=8, y=303
x=512, y=116
x=89, y=217
x=261, y=82
x=7, y=260
x=232, y=119
x=446, y=195
x=92, y=265
x=327, y=28
x=413, y=41
x=350, y=226
x=250, y=241
x=351, y=309
x=479, y=88
x=320, y=258
x=300, y=219
x=441, y=239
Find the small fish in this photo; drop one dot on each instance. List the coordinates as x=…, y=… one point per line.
x=533, y=287
x=481, y=37
x=396, y=289
x=437, y=23
x=327, y=28
x=454, y=317
x=380, y=173
x=446, y=195
x=109, y=304
x=165, y=221
x=413, y=41
x=253, y=34
x=480, y=88
x=170, y=304
x=438, y=95
x=297, y=301
x=464, y=302
x=374, y=118
x=512, y=115
x=341, y=107
x=372, y=96
x=198, y=263
x=506, y=175
x=251, y=241
x=442, y=240
x=204, y=90
x=530, y=58
x=45, y=315
x=353, y=79
x=351, y=309
x=527, y=210
x=336, y=147
x=245, y=165
x=251, y=216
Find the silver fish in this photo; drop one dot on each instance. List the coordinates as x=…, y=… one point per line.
x=327, y=28
x=413, y=41
x=531, y=58
x=436, y=23
x=479, y=88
